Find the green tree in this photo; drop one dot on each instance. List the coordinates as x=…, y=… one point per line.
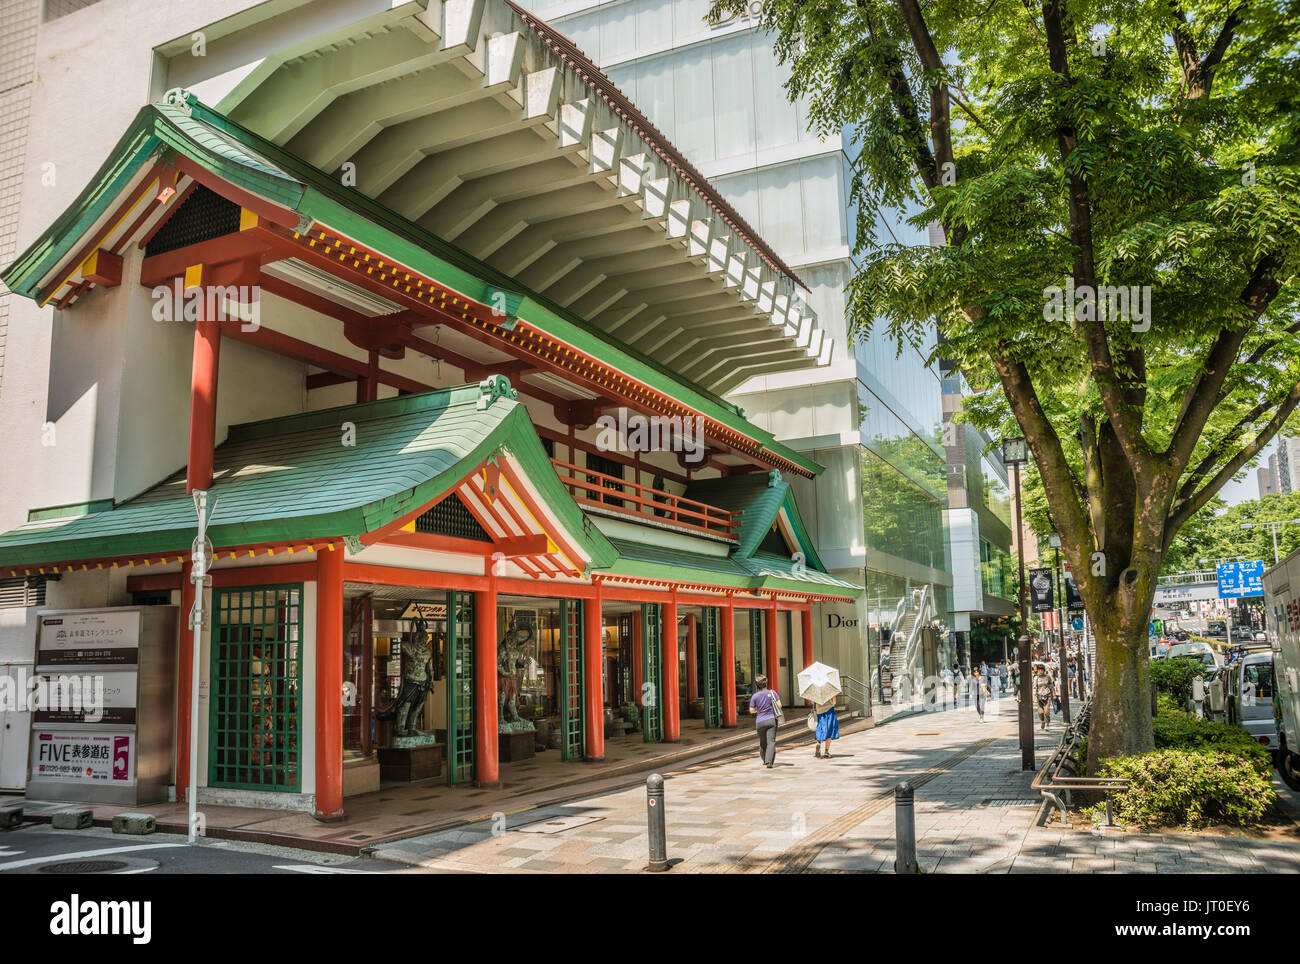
x=1214, y=534
x=1073, y=152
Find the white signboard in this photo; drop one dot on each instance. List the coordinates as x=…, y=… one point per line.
x=107, y=758
x=103, y=636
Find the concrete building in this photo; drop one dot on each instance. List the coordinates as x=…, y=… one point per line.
x=1264, y=476
x=875, y=418
x=1286, y=475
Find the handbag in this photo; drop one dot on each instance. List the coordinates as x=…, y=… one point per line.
x=812, y=720
x=774, y=702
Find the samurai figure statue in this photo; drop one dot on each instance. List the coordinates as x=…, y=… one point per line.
x=511, y=658
x=417, y=683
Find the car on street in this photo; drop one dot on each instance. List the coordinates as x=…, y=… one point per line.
x=1282, y=625
x=1196, y=650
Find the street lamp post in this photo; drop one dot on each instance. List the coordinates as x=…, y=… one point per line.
x=1015, y=452
x=1272, y=527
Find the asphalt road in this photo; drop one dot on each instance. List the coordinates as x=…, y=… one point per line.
x=35, y=848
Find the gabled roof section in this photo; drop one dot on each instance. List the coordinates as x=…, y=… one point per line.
x=760, y=574
x=181, y=139
x=297, y=479
x=764, y=500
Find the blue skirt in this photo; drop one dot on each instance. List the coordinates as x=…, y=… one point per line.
x=828, y=725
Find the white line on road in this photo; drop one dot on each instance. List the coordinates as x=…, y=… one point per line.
x=81, y=854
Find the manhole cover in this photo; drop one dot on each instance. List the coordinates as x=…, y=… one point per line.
x=85, y=867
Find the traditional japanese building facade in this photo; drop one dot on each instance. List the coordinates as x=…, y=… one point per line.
x=441, y=325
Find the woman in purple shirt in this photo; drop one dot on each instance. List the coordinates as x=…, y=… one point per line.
x=762, y=702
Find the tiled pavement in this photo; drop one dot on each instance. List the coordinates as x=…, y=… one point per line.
x=974, y=814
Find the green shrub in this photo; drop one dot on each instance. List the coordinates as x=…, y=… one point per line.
x=1190, y=787
x=1174, y=676
x=1176, y=730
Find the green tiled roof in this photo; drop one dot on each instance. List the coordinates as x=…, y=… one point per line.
x=262, y=168
x=295, y=479
x=762, y=572
x=759, y=497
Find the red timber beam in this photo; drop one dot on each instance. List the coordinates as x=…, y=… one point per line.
x=806, y=630
x=380, y=275
x=329, y=684
x=771, y=655
x=671, y=702
x=593, y=688
x=487, y=764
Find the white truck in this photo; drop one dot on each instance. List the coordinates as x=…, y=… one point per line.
x=1282, y=626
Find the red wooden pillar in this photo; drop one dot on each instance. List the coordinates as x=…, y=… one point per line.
x=637, y=674
x=672, y=695
x=329, y=683
x=728, y=659
x=487, y=764
x=593, y=690
x=772, y=657
x=805, y=629
x=368, y=387
x=692, y=682
x=204, y=365
x=184, y=683
x=805, y=620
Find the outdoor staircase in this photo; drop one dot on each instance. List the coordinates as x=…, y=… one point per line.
x=898, y=651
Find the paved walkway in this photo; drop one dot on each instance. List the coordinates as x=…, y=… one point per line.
x=975, y=814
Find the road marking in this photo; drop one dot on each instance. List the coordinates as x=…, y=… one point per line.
x=8, y=852
x=319, y=869
x=82, y=854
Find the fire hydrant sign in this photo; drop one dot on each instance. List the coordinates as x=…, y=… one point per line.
x=90, y=638
x=84, y=757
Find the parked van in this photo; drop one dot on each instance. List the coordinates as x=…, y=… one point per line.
x=1282, y=626
x=1248, y=695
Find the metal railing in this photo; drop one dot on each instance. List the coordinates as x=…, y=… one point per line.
x=609, y=493
x=856, y=694
x=1059, y=775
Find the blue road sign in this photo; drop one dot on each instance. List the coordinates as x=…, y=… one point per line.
x=1239, y=579
x=1077, y=623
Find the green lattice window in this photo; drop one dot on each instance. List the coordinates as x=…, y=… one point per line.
x=460, y=687
x=757, y=652
x=255, y=717
x=652, y=721
x=712, y=669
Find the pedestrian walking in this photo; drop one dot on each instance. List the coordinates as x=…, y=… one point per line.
x=1015, y=680
x=767, y=704
x=981, y=691
x=828, y=728
x=1042, y=690
x=1002, y=676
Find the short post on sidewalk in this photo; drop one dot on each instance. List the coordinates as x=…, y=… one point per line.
x=904, y=829
x=654, y=792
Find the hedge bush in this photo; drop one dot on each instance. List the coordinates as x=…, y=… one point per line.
x=1174, y=676
x=1190, y=788
x=1176, y=730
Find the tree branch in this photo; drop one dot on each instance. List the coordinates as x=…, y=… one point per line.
x=1193, y=505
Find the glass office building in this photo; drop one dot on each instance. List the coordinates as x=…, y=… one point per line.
x=875, y=416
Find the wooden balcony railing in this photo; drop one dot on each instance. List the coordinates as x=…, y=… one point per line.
x=609, y=493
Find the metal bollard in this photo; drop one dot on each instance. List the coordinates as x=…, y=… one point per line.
x=654, y=792
x=904, y=830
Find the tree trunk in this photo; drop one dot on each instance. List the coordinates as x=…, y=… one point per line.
x=1121, y=709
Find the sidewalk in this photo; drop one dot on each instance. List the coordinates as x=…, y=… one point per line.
x=975, y=813
x=406, y=810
